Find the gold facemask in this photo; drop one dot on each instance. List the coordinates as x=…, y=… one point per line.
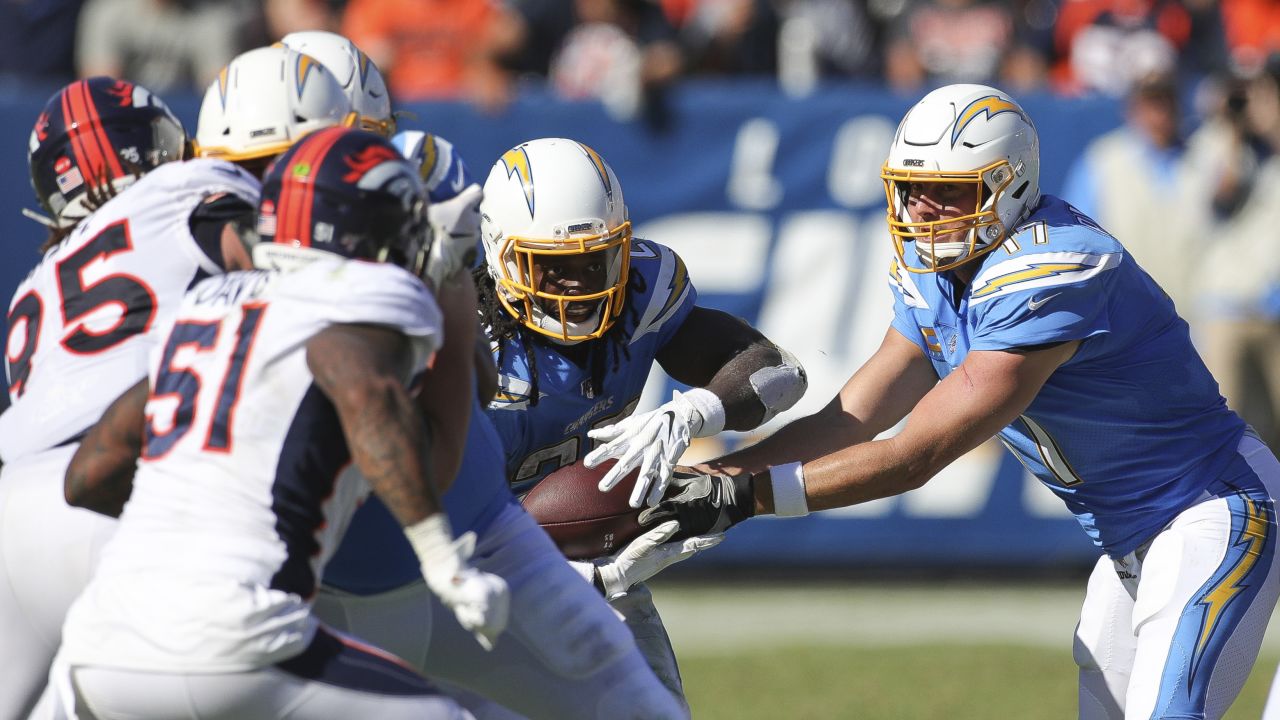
x=982, y=228
x=529, y=305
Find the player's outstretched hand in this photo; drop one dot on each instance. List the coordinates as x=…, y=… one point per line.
x=703, y=504
x=455, y=224
x=481, y=601
x=648, y=555
x=654, y=441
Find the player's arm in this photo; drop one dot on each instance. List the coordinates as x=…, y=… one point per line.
x=741, y=380
x=218, y=225
x=100, y=476
x=753, y=379
x=986, y=393
x=446, y=394
x=873, y=399
x=362, y=369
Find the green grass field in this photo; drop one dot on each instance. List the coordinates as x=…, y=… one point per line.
x=887, y=652
x=918, y=682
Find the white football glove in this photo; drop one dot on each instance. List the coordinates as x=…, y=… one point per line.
x=455, y=224
x=481, y=601
x=648, y=555
x=654, y=441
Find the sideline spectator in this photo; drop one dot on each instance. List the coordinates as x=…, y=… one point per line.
x=1103, y=46
x=289, y=16
x=431, y=49
x=935, y=42
x=163, y=44
x=1136, y=182
x=623, y=52
x=1239, y=333
x=727, y=37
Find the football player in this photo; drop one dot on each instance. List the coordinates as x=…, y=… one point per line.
x=565, y=655
x=268, y=386
x=130, y=229
x=88, y=316
x=1017, y=316
x=577, y=313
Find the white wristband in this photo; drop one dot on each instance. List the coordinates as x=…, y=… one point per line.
x=788, y=490
x=432, y=541
x=710, y=407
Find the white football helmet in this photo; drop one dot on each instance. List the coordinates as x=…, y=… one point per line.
x=264, y=101
x=555, y=197
x=963, y=134
x=356, y=73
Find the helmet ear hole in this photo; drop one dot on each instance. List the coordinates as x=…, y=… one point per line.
x=1022, y=189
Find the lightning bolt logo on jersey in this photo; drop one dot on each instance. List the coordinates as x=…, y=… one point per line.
x=541, y=437
x=1135, y=381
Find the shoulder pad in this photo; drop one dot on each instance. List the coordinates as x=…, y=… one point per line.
x=666, y=283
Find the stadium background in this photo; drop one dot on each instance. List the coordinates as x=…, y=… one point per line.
x=776, y=205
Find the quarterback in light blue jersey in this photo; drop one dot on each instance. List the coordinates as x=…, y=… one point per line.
x=578, y=312
x=1017, y=316
x=539, y=667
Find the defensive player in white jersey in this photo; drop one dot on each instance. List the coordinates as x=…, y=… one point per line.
x=578, y=312
x=269, y=385
x=132, y=229
x=1015, y=315
x=565, y=655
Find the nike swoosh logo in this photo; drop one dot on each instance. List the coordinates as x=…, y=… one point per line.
x=1034, y=304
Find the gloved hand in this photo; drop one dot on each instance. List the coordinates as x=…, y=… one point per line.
x=455, y=225
x=704, y=504
x=481, y=601
x=654, y=441
x=648, y=555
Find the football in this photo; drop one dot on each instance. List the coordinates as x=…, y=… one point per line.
x=584, y=522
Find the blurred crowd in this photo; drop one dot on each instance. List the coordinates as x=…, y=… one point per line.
x=621, y=50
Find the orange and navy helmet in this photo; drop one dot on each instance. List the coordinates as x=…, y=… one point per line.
x=345, y=192
x=98, y=134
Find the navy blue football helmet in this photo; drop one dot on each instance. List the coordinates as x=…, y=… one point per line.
x=345, y=192
x=98, y=136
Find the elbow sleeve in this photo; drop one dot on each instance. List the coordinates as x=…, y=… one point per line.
x=781, y=386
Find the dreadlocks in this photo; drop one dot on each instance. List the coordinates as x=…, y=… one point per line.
x=501, y=326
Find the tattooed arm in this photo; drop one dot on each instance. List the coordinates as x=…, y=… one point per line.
x=100, y=476
x=361, y=369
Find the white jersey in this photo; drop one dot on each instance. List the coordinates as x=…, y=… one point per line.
x=84, y=321
x=240, y=495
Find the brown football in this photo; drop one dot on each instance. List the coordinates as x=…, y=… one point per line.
x=584, y=522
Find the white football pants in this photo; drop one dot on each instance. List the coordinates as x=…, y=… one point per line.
x=48, y=550
x=564, y=655
x=335, y=678
x=1172, y=629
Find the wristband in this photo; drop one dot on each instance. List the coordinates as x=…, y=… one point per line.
x=710, y=407
x=788, y=490
x=432, y=541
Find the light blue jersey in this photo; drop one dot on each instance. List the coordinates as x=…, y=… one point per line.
x=1128, y=432
x=552, y=433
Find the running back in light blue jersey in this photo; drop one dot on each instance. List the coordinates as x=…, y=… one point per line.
x=1129, y=431
x=551, y=433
